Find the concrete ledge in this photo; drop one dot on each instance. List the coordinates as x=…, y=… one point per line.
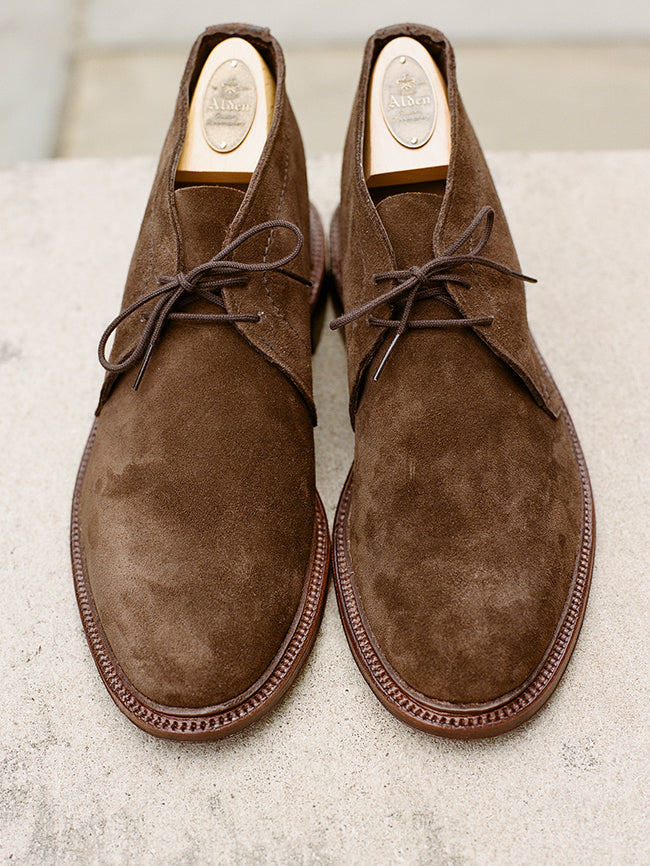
x=329, y=777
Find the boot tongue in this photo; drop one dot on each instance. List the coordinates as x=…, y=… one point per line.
x=409, y=219
x=205, y=213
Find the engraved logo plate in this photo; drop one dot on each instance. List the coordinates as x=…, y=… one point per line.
x=408, y=102
x=228, y=106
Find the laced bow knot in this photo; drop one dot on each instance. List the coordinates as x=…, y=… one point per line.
x=415, y=272
x=184, y=281
x=427, y=281
x=203, y=282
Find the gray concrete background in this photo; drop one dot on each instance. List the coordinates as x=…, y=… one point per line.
x=99, y=77
x=329, y=777
x=519, y=97
x=111, y=22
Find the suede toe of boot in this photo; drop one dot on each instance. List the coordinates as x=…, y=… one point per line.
x=466, y=530
x=197, y=555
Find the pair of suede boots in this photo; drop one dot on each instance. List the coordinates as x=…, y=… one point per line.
x=463, y=540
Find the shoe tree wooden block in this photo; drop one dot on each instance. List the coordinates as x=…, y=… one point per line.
x=230, y=116
x=408, y=127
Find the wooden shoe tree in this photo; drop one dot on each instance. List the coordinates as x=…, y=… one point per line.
x=408, y=127
x=229, y=118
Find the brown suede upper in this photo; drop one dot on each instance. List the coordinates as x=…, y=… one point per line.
x=197, y=507
x=466, y=515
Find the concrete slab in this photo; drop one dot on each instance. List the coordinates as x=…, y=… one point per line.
x=557, y=97
x=120, y=105
x=36, y=40
x=329, y=777
x=519, y=97
x=113, y=23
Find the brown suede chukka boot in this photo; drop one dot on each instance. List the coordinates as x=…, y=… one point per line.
x=464, y=537
x=199, y=542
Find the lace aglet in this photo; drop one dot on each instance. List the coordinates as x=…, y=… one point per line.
x=385, y=358
x=143, y=367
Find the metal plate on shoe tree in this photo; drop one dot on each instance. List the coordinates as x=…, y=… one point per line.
x=408, y=102
x=229, y=106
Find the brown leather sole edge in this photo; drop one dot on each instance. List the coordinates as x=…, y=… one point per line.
x=425, y=714
x=213, y=723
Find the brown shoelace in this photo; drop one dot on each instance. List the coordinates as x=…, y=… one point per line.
x=427, y=281
x=203, y=282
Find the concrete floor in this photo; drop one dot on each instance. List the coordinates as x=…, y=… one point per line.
x=329, y=777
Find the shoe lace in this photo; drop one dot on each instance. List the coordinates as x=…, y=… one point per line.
x=427, y=281
x=203, y=282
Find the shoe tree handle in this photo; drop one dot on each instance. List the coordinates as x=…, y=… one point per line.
x=229, y=117
x=408, y=127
